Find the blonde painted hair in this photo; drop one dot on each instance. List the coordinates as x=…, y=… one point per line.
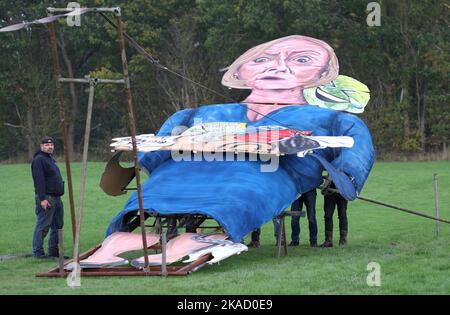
x=330, y=72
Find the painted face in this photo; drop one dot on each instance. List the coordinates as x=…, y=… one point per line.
x=285, y=65
x=48, y=148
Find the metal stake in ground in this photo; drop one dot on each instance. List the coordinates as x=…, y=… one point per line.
x=61, y=252
x=133, y=134
x=163, y=254
x=436, y=203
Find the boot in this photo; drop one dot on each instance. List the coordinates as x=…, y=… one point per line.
x=254, y=244
x=255, y=239
x=343, y=238
x=328, y=239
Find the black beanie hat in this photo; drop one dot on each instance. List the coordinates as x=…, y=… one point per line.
x=47, y=140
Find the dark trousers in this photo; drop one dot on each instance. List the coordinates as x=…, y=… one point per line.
x=172, y=228
x=51, y=219
x=255, y=234
x=330, y=203
x=309, y=199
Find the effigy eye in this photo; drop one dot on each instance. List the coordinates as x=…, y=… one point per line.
x=302, y=59
x=261, y=60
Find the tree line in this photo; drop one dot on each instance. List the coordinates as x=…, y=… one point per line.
x=404, y=61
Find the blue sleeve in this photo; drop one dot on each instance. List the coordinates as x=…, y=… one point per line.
x=176, y=124
x=358, y=160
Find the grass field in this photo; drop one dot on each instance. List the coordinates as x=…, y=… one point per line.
x=412, y=259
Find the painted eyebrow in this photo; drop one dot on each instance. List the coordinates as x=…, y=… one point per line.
x=305, y=52
x=266, y=54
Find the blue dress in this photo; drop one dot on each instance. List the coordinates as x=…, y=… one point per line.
x=237, y=194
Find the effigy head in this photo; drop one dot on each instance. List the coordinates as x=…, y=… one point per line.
x=284, y=63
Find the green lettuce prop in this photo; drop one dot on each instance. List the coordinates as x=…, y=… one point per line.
x=344, y=94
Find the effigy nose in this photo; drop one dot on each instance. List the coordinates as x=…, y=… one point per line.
x=280, y=66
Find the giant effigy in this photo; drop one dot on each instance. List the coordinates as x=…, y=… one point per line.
x=294, y=84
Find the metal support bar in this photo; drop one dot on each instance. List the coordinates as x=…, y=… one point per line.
x=82, y=256
x=401, y=209
x=163, y=254
x=129, y=271
x=280, y=236
x=52, y=10
x=88, y=79
x=395, y=207
x=436, y=203
x=133, y=135
x=61, y=252
x=284, y=238
x=112, y=273
x=292, y=214
x=87, y=133
x=57, y=68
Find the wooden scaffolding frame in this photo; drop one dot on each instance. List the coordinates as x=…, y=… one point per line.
x=147, y=270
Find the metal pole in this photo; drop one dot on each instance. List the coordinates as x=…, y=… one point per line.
x=402, y=209
x=62, y=114
x=395, y=207
x=163, y=255
x=284, y=236
x=280, y=236
x=61, y=252
x=87, y=133
x=89, y=79
x=64, y=10
x=133, y=135
x=436, y=203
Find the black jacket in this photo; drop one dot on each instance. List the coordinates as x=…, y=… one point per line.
x=46, y=176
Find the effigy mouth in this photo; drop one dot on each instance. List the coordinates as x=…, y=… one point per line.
x=271, y=78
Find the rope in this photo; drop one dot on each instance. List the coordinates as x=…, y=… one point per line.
x=394, y=207
x=156, y=63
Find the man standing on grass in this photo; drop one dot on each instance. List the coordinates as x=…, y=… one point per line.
x=49, y=187
x=333, y=199
x=309, y=199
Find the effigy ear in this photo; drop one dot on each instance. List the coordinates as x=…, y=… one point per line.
x=343, y=93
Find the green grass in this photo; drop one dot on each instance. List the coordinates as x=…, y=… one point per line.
x=412, y=259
